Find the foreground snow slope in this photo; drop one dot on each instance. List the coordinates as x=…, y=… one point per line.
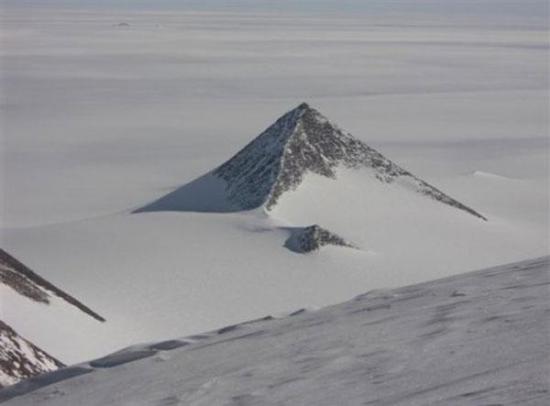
x=475, y=338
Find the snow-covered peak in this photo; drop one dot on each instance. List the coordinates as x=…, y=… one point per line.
x=300, y=142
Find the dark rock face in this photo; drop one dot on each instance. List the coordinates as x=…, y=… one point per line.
x=20, y=359
x=22, y=285
x=303, y=141
x=27, y=283
x=312, y=238
x=253, y=172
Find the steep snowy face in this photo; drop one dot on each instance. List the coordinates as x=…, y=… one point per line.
x=20, y=359
x=300, y=142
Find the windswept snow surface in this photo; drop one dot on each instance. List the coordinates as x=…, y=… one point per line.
x=478, y=338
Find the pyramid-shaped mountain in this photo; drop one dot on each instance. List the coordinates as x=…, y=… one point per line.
x=302, y=141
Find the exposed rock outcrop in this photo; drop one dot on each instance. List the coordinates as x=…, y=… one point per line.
x=20, y=359
x=312, y=238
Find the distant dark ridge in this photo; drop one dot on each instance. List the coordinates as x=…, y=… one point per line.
x=20, y=278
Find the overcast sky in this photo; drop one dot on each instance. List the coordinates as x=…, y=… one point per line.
x=536, y=9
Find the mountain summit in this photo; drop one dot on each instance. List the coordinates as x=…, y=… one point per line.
x=299, y=143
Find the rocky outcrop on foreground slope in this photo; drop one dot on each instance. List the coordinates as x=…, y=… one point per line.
x=20, y=359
